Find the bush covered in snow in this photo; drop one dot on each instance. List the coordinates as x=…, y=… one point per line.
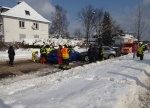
x=5, y=45
x=37, y=42
x=51, y=41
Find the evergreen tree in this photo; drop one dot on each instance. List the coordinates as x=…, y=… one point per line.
x=106, y=29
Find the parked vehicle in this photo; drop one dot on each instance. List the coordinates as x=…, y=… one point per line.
x=52, y=57
x=127, y=48
x=118, y=51
x=109, y=53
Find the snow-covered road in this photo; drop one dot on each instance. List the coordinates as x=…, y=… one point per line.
x=116, y=83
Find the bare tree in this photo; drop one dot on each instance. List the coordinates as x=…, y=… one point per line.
x=59, y=21
x=115, y=27
x=67, y=35
x=98, y=22
x=78, y=33
x=139, y=24
x=87, y=17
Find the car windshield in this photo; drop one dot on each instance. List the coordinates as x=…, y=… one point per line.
x=128, y=45
x=105, y=48
x=73, y=51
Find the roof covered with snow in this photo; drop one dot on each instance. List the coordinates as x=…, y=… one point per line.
x=23, y=10
x=5, y=7
x=126, y=36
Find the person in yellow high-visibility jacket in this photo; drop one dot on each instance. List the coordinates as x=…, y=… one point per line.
x=101, y=53
x=65, y=57
x=141, y=50
x=43, y=52
x=49, y=49
x=34, y=56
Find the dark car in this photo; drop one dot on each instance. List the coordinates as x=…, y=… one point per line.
x=52, y=57
x=108, y=53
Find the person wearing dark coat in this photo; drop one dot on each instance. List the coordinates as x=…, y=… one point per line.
x=11, y=54
x=91, y=53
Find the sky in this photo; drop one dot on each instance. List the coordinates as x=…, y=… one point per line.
x=122, y=11
x=122, y=82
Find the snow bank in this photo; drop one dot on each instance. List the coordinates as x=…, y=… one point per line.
x=113, y=83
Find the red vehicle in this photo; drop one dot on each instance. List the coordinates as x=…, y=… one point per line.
x=127, y=48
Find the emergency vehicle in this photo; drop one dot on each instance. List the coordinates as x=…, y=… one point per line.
x=127, y=48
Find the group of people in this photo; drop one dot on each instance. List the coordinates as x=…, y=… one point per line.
x=63, y=56
x=95, y=55
x=138, y=49
x=43, y=51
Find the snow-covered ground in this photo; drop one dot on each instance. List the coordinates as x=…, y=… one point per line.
x=113, y=83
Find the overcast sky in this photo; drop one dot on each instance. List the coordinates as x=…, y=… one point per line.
x=123, y=11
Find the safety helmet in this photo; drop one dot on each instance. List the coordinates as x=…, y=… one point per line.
x=141, y=42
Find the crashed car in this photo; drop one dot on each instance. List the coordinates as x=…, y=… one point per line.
x=52, y=57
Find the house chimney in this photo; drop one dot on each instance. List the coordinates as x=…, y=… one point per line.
x=19, y=2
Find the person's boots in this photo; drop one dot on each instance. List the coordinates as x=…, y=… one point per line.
x=68, y=67
x=64, y=66
x=141, y=57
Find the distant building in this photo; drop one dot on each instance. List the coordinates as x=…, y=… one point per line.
x=20, y=22
x=120, y=40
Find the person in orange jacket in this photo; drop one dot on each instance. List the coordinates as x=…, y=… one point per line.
x=65, y=57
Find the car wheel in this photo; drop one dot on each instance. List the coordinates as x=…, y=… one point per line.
x=111, y=56
x=86, y=58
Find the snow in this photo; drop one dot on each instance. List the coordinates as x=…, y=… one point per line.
x=50, y=41
x=18, y=11
x=112, y=83
x=128, y=36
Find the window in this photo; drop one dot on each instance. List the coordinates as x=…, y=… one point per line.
x=72, y=51
x=106, y=49
x=27, y=12
x=95, y=36
x=35, y=26
x=36, y=36
x=21, y=24
x=0, y=28
x=22, y=36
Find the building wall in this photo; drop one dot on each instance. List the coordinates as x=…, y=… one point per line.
x=12, y=31
x=1, y=31
x=119, y=41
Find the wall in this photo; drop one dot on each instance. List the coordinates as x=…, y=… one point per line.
x=12, y=30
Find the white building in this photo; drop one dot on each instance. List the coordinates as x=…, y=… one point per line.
x=123, y=39
x=20, y=22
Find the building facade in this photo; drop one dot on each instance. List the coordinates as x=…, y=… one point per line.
x=21, y=22
x=121, y=40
